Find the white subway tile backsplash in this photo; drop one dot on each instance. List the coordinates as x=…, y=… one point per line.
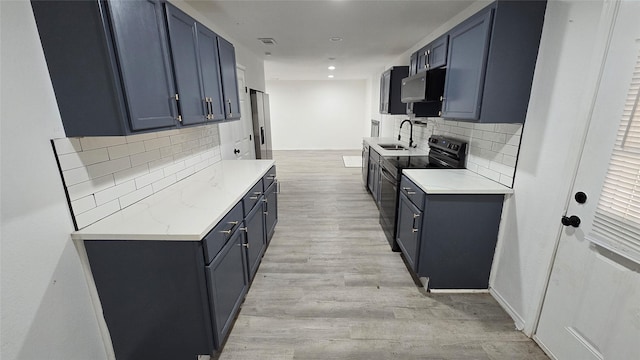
x=67, y=145
x=97, y=213
x=96, y=142
x=145, y=157
x=143, y=137
x=131, y=173
x=84, y=204
x=491, y=174
x=501, y=168
x=75, y=176
x=90, y=187
x=145, y=180
x=134, y=197
x=513, y=140
x=161, y=184
x=105, y=174
x=118, y=151
x=506, y=180
x=495, y=137
x=509, y=160
x=157, y=143
x=515, y=129
x=114, y=192
x=108, y=167
x=511, y=150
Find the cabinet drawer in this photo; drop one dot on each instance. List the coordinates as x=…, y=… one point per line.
x=412, y=192
x=269, y=178
x=218, y=236
x=252, y=197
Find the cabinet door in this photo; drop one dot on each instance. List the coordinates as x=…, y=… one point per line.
x=468, y=49
x=227, y=282
x=184, y=51
x=422, y=59
x=408, y=232
x=210, y=70
x=256, y=237
x=271, y=210
x=385, y=89
x=141, y=42
x=413, y=64
x=438, y=52
x=229, y=79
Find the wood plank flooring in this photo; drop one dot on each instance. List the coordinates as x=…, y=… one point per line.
x=329, y=286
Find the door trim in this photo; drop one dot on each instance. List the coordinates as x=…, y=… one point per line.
x=601, y=51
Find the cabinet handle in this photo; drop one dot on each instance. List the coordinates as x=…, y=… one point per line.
x=244, y=229
x=233, y=222
x=414, y=230
x=264, y=200
x=257, y=193
x=439, y=113
x=253, y=197
x=246, y=245
x=416, y=216
x=411, y=192
x=226, y=232
x=177, y=99
x=406, y=188
x=266, y=213
x=229, y=102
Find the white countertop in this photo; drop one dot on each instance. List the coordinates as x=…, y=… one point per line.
x=454, y=181
x=186, y=210
x=374, y=143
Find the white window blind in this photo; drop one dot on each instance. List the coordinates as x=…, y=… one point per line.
x=616, y=225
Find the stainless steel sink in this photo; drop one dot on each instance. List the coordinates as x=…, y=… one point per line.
x=392, y=147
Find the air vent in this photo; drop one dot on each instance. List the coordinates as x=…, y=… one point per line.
x=268, y=41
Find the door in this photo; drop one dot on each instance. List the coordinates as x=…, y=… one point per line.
x=468, y=49
x=227, y=282
x=229, y=76
x=210, y=70
x=408, y=236
x=184, y=51
x=591, y=309
x=143, y=56
x=256, y=238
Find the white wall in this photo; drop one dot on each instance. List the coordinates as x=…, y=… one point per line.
x=548, y=154
x=46, y=308
x=319, y=114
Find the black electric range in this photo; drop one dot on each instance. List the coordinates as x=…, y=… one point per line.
x=444, y=153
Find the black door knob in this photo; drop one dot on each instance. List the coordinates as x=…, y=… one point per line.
x=581, y=197
x=571, y=221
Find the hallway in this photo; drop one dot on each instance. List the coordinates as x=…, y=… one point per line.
x=329, y=287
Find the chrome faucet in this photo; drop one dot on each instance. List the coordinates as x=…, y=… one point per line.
x=410, y=131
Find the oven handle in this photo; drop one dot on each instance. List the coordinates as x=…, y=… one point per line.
x=389, y=176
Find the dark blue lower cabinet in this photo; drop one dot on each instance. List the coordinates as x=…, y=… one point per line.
x=256, y=236
x=449, y=239
x=227, y=281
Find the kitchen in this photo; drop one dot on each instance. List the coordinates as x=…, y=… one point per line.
x=38, y=300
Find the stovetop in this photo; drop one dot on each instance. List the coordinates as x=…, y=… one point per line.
x=407, y=162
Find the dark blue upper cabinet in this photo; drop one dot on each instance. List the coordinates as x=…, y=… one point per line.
x=491, y=62
x=437, y=52
x=468, y=48
x=109, y=65
x=210, y=71
x=141, y=44
x=229, y=77
x=184, y=51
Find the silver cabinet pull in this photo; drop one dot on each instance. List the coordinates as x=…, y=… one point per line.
x=406, y=188
x=411, y=192
x=229, y=102
x=264, y=200
x=244, y=229
x=416, y=216
x=266, y=213
x=257, y=193
x=233, y=222
x=246, y=245
x=414, y=230
x=253, y=197
x=226, y=232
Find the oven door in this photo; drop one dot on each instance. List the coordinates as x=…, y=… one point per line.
x=388, y=205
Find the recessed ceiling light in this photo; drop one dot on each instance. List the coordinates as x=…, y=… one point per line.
x=331, y=67
x=336, y=38
x=267, y=53
x=268, y=41
x=330, y=76
x=331, y=58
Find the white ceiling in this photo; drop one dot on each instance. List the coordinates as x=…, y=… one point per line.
x=374, y=32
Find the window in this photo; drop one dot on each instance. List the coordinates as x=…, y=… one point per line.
x=616, y=225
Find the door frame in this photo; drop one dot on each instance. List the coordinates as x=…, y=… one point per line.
x=601, y=50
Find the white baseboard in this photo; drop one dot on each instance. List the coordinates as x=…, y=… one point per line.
x=518, y=320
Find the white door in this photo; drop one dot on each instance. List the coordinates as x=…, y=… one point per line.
x=236, y=137
x=591, y=309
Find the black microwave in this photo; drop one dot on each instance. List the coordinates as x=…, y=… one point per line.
x=423, y=87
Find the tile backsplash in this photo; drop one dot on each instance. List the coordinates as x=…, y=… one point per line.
x=105, y=174
x=493, y=148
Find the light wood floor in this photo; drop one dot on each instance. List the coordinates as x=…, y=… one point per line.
x=329, y=286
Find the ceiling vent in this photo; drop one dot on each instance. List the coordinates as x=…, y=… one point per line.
x=268, y=41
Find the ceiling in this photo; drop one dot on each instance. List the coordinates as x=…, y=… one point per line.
x=373, y=32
